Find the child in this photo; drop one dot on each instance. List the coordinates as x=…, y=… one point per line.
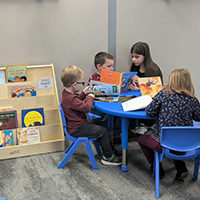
x=75, y=107
x=102, y=60
x=175, y=105
x=145, y=67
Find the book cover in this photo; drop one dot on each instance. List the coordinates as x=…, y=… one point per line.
x=2, y=77
x=17, y=90
x=104, y=91
x=32, y=117
x=6, y=138
x=150, y=85
x=123, y=80
x=16, y=73
x=28, y=135
x=8, y=120
x=137, y=103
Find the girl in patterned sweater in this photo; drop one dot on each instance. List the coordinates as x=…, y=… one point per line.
x=175, y=105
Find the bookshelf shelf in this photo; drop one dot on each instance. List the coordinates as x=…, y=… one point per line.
x=51, y=134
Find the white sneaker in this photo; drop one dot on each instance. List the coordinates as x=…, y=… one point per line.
x=141, y=129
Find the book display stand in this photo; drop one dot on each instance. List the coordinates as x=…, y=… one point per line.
x=51, y=133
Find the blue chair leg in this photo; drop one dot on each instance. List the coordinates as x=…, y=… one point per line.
x=90, y=154
x=196, y=168
x=157, y=169
x=70, y=152
x=70, y=146
x=95, y=142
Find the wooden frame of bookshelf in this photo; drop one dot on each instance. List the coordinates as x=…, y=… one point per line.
x=51, y=134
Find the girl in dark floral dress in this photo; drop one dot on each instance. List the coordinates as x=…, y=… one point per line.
x=175, y=105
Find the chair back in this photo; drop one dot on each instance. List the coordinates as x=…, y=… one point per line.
x=180, y=138
x=71, y=138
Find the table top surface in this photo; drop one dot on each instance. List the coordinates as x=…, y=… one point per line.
x=115, y=108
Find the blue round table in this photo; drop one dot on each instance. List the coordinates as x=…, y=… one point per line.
x=115, y=109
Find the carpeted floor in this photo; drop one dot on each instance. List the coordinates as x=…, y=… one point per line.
x=37, y=178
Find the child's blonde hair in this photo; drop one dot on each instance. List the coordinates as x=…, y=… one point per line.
x=71, y=74
x=180, y=81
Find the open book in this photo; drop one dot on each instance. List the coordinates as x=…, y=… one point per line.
x=107, y=92
x=123, y=80
x=150, y=85
x=137, y=103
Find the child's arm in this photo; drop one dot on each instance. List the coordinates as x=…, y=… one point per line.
x=196, y=113
x=153, y=108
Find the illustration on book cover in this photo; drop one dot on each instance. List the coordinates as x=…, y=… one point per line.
x=22, y=90
x=32, y=117
x=28, y=135
x=6, y=138
x=8, y=120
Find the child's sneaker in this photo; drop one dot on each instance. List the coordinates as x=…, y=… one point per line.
x=113, y=160
x=141, y=129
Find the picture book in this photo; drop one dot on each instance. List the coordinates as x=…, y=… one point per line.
x=6, y=138
x=32, y=117
x=17, y=90
x=123, y=80
x=8, y=120
x=2, y=77
x=150, y=85
x=28, y=135
x=16, y=73
x=104, y=91
x=137, y=103
x=107, y=92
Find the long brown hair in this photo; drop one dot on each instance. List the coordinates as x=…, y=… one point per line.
x=151, y=68
x=180, y=81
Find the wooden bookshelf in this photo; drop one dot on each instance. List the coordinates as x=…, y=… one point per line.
x=51, y=134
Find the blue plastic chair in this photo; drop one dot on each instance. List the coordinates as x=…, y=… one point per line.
x=93, y=116
x=182, y=139
x=76, y=141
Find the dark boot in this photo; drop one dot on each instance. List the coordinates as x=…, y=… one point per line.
x=182, y=171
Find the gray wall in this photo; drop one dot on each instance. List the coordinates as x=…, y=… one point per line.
x=62, y=32
x=65, y=32
x=170, y=27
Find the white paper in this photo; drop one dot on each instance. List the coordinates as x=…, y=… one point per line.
x=137, y=103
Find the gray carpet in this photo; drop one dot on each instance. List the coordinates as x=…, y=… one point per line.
x=37, y=178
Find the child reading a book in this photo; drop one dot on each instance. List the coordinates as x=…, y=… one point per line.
x=143, y=64
x=175, y=105
x=75, y=107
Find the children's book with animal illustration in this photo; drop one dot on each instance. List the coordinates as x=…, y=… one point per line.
x=107, y=92
x=123, y=80
x=8, y=120
x=137, y=103
x=16, y=73
x=150, y=85
x=28, y=135
x=2, y=77
x=6, y=138
x=26, y=89
x=32, y=117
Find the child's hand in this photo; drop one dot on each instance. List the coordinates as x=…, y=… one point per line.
x=92, y=95
x=135, y=79
x=86, y=89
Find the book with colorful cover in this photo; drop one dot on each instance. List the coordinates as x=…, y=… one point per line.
x=32, y=117
x=8, y=120
x=123, y=80
x=107, y=92
x=17, y=90
x=150, y=85
x=6, y=138
x=16, y=73
x=28, y=135
x=2, y=77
